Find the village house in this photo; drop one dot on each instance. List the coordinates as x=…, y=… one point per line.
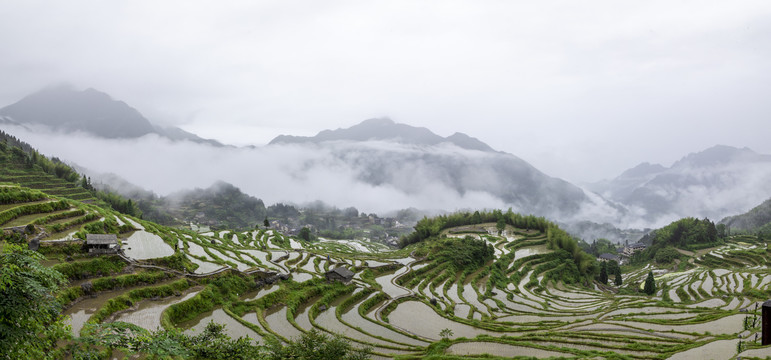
x=631, y=249
x=102, y=243
x=339, y=274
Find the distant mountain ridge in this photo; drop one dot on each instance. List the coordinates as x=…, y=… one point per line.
x=715, y=182
x=386, y=129
x=403, y=166
x=464, y=166
x=63, y=108
x=377, y=156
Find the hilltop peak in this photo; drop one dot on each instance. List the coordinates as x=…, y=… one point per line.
x=719, y=155
x=642, y=170
x=385, y=129
x=63, y=108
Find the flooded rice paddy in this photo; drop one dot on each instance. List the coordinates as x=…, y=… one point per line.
x=142, y=245
x=697, y=315
x=148, y=314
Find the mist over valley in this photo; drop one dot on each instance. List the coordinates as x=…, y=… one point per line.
x=403, y=180
x=378, y=165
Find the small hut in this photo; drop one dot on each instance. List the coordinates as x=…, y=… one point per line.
x=339, y=274
x=102, y=243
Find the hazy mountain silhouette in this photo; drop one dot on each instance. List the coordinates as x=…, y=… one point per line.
x=715, y=182
x=63, y=108
x=386, y=129
x=458, y=162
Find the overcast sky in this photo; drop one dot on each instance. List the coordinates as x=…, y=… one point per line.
x=581, y=89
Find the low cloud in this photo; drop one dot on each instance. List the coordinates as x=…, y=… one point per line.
x=378, y=177
x=277, y=173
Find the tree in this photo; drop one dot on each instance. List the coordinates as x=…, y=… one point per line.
x=305, y=234
x=30, y=321
x=721, y=231
x=604, y=273
x=212, y=343
x=351, y=212
x=445, y=334
x=618, y=281
x=613, y=267
x=666, y=255
x=650, y=284
x=266, y=223
x=501, y=225
x=314, y=345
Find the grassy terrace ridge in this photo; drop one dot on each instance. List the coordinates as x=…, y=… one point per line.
x=24, y=166
x=517, y=287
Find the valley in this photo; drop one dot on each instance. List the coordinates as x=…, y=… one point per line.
x=518, y=300
x=465, y=180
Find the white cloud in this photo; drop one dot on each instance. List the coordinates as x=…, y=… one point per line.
x=581, y=90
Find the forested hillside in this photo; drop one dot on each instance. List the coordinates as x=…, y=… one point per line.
x=21, y=164
x=756, y=220
x=582, y=266
x=686, y=234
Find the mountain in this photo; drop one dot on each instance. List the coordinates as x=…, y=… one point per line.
x=221, y=204
x=382, y=153
x=626, y=183
x=64, y=109
x=712, y=183
x=758, y=217
x=385, y=129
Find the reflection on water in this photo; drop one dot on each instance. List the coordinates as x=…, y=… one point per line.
x=276, y=319
x=532, y=250
x=144, y=245
x=233, y=328
x=78, y=314
x=148, y=315
x=254, y=295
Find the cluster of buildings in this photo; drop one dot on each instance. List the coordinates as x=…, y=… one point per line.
x=625, y=253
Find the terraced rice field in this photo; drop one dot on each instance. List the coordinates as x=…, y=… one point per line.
x=700, y=312
x=398, y=304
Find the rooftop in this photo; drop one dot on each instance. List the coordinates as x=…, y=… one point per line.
x=101, y=239
x=344, y=272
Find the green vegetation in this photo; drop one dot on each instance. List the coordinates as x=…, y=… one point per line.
x=687, y=234
x=220, y=290
x=305, y=234
x=223, y=204
x=476, y=284
x=601, y=246
x=127, y=300
x=432, y=227
x=14, y=195
x=603, y=273
x=666, y=255
x=584, y=265
x=72, y=293
x=650, y=284
x=99, y=266
x=12, y=213
x=23, y=165
x=462, y=253
x=757, y=219
x=314, y=345
x=212, y=343
x=29, y=315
